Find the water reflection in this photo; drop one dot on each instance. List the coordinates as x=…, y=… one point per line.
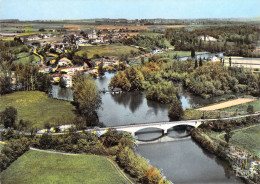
x=185, y=162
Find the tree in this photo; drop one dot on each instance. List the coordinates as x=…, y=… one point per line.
x=228, y=135
x=200, y=62
x=142, y=60
x=175, y=111
x=230, y=62
x=196, y=64
x=62, y=83
x=86, y=96
x=101, y=69
x=250, y=109
x=192, y=53
x=8, y=117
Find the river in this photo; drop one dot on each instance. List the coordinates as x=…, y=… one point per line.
x=180, y=161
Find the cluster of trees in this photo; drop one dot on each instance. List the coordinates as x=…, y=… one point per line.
x=212, y=79
x=12, y=151
x=128, y=80
x=163, y=92
x=149, y=42
x=233, y=40
x=87, y=100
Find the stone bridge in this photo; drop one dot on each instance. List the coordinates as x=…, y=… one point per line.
x=164, y=126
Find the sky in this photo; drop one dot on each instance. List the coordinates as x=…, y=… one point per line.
x=130, y=9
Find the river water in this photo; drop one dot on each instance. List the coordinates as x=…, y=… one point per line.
x=180, y=161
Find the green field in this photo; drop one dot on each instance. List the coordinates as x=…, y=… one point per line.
x=26, y=60
x=106, y=50
x=242, y=108
x=170, y=54
x=38, y=108
x=22, y=54
x=247, y=138
x=36, y=167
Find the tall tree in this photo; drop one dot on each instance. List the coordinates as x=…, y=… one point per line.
x=85, y=94
x=175, y=110
x=200, y=62
x=196, y=64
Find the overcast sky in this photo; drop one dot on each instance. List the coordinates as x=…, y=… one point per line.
x=131, y=9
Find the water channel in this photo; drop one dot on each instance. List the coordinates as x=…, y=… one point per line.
x=180, y=161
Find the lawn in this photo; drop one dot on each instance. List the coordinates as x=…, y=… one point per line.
x=247, y=138
x=38, y=108
x=106, y=50
x=26, y=60
x=242, y=108
x=42, y=167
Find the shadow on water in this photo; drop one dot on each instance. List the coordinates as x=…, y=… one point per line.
x=133, y=100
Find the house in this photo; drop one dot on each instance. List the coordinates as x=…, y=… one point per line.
x=208, y=38
x=71, y=69
x=45, y=69
x=64, y=62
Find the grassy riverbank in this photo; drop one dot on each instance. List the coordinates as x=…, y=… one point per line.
x=37, y=107
x=42, y=167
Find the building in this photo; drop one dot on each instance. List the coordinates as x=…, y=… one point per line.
x=64, y=62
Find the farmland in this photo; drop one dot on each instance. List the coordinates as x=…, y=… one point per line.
x=227, y=104
x=38, y=108
x=106, y=50
x=60, y=168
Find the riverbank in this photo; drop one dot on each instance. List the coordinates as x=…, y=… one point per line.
x=241, y=161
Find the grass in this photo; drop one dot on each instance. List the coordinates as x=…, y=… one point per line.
x=247, y=138
x=106, y=50
x=242, y=108
x=22, y=54
x=42, y=167
x=1, y=146
x=38, y=108
x=26, y=60
x=171, y=54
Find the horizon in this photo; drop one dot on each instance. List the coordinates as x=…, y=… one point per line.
x=32, y=10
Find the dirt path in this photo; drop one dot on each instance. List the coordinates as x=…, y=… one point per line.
x=227, y=104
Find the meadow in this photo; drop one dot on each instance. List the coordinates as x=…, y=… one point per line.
x=38, y=108
x=246, y=138
x=106, y=50
x=27, y=59
x=45, y=167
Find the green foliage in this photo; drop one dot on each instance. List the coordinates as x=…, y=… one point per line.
x=163, y=92
x=175, y=111
x=85, y=94
x=212, y=79
x=129, y=80
x=8, y=117
x=233, y=40
x=250, y=109
x=12, y=150
x=145, y=41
